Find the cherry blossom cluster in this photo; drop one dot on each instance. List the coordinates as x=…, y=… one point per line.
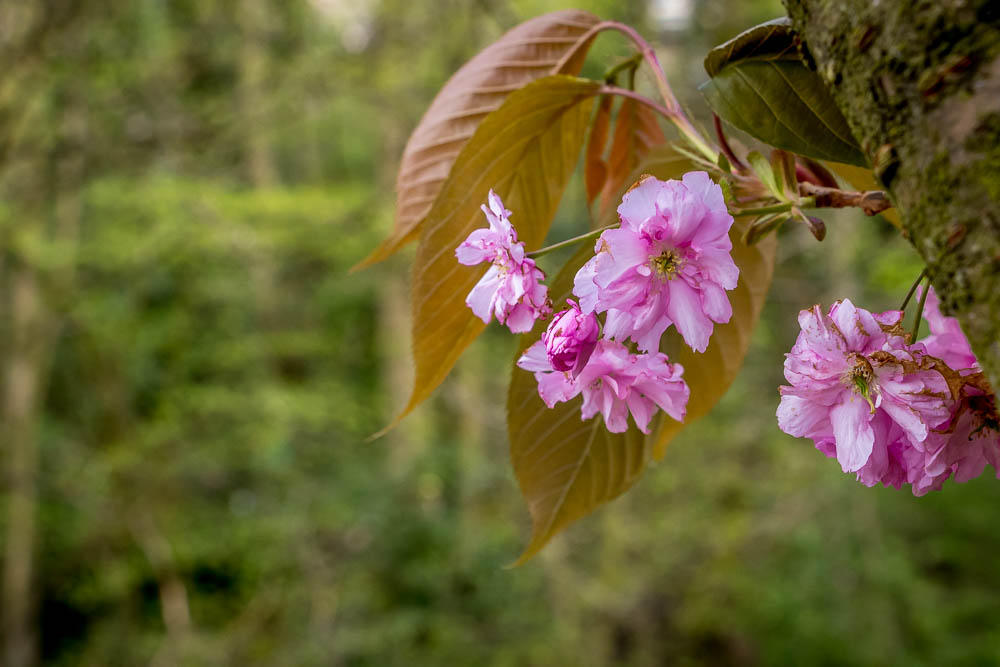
x=668, y=263
x=890, y=411
x=511, y=290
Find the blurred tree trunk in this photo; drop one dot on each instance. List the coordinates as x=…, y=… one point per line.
x=252, y=17
x=23, y=374
x=919, y=84
x=42, y=170
x=33, y=329
x=173, y=594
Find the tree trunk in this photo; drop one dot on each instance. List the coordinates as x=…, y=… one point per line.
x=919, y=84
x=252, y=16
x=51, y=193
x=22, y=377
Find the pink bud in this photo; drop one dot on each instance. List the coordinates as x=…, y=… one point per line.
x=570, y=339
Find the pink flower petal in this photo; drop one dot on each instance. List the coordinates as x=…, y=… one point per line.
x=715, y=303
x=852, y=433
x=535, y=358
x=639, y=203
x=684, y=310
x=480, y=299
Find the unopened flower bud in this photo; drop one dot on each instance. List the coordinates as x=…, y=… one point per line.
x=570, y=339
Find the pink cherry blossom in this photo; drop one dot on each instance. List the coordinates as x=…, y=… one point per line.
x=511, y=290
x=969, y=445
x=614, y=383
x=669, y=263
x=960, y=454
x=896, y=462
x=958, y=442
x=571, y=338
x=858, y=390
x=972, y=438
x=889, y=463
x=946, y=340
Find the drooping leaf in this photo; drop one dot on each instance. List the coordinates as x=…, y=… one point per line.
x=525, y=150
x=595, y=169
x=637, y=131
x=566, y=468
x=760, y=85
x=710, y=374
x=862, y=179
x=554, y=43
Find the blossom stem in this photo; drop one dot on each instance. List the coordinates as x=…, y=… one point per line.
x=920, y=312
x=913, y=288
x=724, y=144
x=674, y=111
x=630, y=64
x=784, y=207
x=569, y=242
x=638, y=97
x=650, y=55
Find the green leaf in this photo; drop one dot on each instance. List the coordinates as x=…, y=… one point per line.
x=723, y=163
x=766, y=174
x=763, y=226
x=760, y=85
x=772, y=40
x=783, y=164
x=727, y=190
x=555, y=43
x=525, y=150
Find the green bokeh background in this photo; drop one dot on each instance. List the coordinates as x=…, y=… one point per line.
x=184, y=185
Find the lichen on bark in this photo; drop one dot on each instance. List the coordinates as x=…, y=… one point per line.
x=919, y=84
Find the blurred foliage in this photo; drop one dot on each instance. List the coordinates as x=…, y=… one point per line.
x=206, y=496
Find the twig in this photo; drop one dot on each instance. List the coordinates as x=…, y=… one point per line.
x=871, y=202
x=568, y=242
x=913, y=288
x=783, y=207
x=674, y=110
x=611, y=76
x=920, y=312
x=625, y=92
x=724, y=145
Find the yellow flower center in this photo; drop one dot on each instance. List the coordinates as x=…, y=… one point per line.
x=861, y=379
x=667, y=263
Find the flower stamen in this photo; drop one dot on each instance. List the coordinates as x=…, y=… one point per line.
x=667, y=263
x=861, y=379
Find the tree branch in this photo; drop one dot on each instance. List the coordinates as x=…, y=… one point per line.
x=871, y=202
x=919, y=85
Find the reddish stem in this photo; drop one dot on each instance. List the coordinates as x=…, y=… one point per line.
x=673, y=109
x=726, y=149
x=625, y=92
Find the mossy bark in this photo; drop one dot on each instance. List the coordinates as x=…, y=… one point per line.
x=919, y=83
